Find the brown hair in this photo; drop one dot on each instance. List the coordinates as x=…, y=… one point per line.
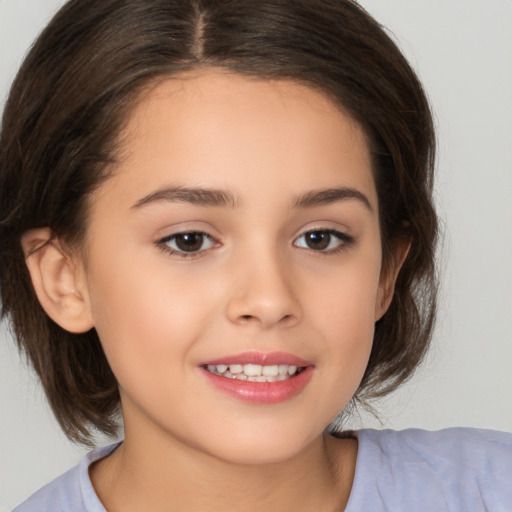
x=75, y=89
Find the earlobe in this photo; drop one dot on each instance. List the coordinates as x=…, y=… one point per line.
x=388, y=278
x=58, y=281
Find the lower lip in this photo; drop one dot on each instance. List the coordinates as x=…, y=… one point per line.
x=261, y=392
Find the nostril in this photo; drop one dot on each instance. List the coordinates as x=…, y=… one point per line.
x=287, y=319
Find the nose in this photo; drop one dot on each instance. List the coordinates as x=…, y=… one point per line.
x=262, y=293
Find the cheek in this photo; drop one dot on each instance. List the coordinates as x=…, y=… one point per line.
x=350, y=337
x=347, y=296
x=345, y=312
x=144, y=316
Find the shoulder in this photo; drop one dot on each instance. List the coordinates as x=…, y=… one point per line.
x=70, y=492
x=452, y=446
x=59, y=495
x=452, y=469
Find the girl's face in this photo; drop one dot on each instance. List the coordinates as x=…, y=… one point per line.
x=240, y=228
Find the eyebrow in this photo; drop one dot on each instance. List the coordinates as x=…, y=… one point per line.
x=331, y=195
x=198, y=196
x=221, y=198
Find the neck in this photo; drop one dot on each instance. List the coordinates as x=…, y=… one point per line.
x=161, y=476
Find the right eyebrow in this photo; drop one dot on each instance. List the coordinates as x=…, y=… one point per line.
x=198, y=196
x=331, y=195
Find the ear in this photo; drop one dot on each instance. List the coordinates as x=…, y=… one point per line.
x=58, y=280
x=388, y=277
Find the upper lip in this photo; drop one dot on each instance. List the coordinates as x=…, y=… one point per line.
x=261, y=358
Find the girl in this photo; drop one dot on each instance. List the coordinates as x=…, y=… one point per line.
x=217, y=223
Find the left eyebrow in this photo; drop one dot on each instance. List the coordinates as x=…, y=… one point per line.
x=331, y=195
x=198, y=196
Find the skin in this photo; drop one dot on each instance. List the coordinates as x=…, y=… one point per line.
x=255, y=286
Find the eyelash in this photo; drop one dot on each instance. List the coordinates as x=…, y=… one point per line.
x=164, y=247
x=344, y=239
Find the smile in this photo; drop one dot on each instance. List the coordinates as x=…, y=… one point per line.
x=255, y=372
x=259, y=378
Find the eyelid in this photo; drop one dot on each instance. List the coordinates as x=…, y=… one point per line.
x=345, y=240
x=163, y=243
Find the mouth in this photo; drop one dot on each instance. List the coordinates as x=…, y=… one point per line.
x=255, y=372
x=259, y=378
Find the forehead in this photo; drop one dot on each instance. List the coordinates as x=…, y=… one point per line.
x=232, y=131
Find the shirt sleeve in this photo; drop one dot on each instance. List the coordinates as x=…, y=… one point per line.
x=452, y=470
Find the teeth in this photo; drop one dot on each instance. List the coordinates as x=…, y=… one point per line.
x=292, y=370
x=254, y=372
x=283, y=369
x=270, y=371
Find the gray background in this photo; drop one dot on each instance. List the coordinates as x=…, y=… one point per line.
x=462, y=50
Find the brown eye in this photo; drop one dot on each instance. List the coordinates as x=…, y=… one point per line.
x=317, y=240
x=187, y=242
x=323, y=240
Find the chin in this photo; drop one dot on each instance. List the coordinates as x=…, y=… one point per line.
x=260, y=446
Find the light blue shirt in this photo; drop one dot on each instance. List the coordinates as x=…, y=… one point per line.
x=452, y=470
